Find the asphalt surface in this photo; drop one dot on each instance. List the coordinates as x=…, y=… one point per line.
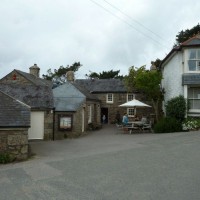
x=108, y=165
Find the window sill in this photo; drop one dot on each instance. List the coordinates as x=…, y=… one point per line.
x=192, y=72
x=194, y=111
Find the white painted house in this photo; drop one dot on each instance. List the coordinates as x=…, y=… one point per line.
x=181, y=74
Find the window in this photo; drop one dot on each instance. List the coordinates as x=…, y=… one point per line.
x=130, y=97
x=65, y=122
x=194, y=97
x=194, y=60
x=131, y=112
x=109, y=98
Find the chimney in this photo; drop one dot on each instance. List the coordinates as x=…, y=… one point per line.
x=35, y=70
x=70, y=76
x=153, y=67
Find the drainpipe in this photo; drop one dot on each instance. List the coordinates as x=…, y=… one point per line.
x=53, y=124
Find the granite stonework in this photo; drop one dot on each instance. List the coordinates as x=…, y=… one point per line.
x=48, y=125
x=14, y=78
x=113, y=108
x=78, y=128
x=95, y=119
x=14, y=141
x=100, y=88
x=33, y=91
x=118, y=99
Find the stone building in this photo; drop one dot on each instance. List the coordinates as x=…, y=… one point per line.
x=72, y=107
x=75, y=111
x=112, y=93
x=30, y=89
x=14, y=125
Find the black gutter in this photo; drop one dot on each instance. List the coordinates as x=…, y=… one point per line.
x=53, y=124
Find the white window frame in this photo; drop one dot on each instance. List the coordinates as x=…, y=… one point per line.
x=130, y=96
x=109, y=98
x=196, y=59
x=131, y=112
x=193, y=98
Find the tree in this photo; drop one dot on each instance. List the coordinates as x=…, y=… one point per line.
x=105, y=74
x=61, y=71
x=130, y=80
x=147, y=82
x=157, y=63
x=182, y=36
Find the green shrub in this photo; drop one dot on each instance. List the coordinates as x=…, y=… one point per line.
x=5, y=158
x=176, y=108
x=168, y=125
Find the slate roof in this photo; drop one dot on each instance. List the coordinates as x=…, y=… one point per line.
x=34, y=79
x=102, y=85
x=68, y=98
x=192, y=42
x=13, y=112
x=36, y=96
x=86, y=92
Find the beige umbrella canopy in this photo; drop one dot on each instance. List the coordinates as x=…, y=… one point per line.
x=134, y=103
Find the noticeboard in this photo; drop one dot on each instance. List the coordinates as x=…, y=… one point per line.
x=65, y=122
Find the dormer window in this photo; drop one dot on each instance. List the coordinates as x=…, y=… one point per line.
x=194, y=59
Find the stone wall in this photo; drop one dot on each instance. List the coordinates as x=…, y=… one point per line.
x=113, y=108
x=15, y=78
x=96, y=114
x=48, y=125
x=76, y=126
x=78, y=116
x=14, y=142
x=118, y=99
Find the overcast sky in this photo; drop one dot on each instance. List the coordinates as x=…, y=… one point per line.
x=102, y=36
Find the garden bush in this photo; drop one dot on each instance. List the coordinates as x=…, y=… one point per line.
x=168, y=125
x=176, y=108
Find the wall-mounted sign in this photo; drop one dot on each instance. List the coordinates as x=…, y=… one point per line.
x=65, y=122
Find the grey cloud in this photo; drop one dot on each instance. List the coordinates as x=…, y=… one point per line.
x=53, y=33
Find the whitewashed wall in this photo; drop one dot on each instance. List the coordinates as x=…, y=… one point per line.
x=172, y=78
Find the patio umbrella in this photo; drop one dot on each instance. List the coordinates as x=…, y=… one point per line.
x=134, y=103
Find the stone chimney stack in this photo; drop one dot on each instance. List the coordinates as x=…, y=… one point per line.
x=35, y=70
x=70, y=76
x=153, y=67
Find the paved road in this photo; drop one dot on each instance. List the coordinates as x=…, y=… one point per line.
x=108, y=165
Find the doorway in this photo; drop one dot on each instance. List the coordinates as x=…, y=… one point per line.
x=104, y=111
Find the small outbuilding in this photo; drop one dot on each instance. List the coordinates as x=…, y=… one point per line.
x=14, y=125
x=30, y=89
x=75, y=111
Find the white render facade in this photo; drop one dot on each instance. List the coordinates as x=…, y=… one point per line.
x=181, y=74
